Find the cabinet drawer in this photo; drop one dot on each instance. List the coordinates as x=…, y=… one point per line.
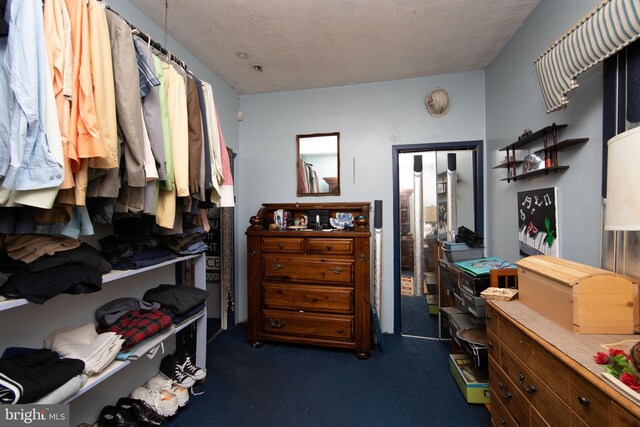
x=493, y=347
x=621, y=417
x=548, y=368
x=499, y=415
x=307, y=269
x=294, y=245
x=330, y=299
x=587, y=401
x=308, y=325
x=538, y=421
x=493, y=320
x=552, y=409
x=503, y=390
x=330, y=246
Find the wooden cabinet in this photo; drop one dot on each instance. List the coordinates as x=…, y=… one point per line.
x=308, y=286
x=535, y=382
x=543, y=160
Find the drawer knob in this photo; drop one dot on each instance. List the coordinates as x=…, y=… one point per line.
x=502, y=422
x=336, y=270
x=583, y=401
x=490, y=344
x=276, y=323
x=488, y=317
x=528, y=388
x=506, y=395
x=329, y=247
x=253, y=253
x=276, y=267
x=281, y=245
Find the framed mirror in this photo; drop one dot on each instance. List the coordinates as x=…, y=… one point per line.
x=318, y=168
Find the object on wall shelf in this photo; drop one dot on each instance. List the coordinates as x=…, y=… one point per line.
x=548, y=153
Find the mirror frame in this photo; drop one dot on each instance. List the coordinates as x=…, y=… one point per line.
x=336, y=192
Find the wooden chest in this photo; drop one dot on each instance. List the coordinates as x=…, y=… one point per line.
x=310, y=287
x=578, y=297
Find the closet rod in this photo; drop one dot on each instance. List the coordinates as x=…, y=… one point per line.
x=142, y=35
x=157, y=46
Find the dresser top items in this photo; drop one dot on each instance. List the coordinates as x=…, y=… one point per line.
x=310, y=218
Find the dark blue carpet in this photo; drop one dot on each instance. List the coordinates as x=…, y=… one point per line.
x=409, y=384
x=416, y=319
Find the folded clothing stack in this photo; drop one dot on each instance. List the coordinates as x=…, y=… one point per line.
x=84, y=343
x=32, y=374
x=133, y=319
x=177, y=300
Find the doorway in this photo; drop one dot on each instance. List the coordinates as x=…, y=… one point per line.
x=416, y=308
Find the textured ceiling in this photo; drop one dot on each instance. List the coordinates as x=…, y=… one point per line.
x=304, y=44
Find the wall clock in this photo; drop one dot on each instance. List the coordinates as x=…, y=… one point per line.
x=437, y=102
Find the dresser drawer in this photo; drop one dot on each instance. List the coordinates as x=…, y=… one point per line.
x=329, y=299
x=503, y=390
x=620, y=417
x=308, y=325
x=493, y=319
x=538, y=421
x=587, y=401
x=308, y=269
x=330, y=246
x=552, y=409
x=500, y=417
x=550, y=370
x=292, y=245
x=493, y=347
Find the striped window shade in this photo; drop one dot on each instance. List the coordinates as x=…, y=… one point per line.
x=609, y=27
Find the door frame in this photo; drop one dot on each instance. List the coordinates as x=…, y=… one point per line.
x=478, y=200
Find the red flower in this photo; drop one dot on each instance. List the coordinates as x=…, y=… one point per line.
x=615, y=352
x=630, y=381
x=601, y=358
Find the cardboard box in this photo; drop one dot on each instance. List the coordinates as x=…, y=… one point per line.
x=406, y=285
x=578, y=297
x=472, y=381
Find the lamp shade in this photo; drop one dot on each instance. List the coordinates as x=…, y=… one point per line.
x=623, y=182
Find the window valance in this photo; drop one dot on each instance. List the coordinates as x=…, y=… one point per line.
x=606, y=29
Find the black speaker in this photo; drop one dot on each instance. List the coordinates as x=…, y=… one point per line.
x=417, y=163
x=451, y=161
x=377, y=214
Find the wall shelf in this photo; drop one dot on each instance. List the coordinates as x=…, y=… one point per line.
x=548, y=154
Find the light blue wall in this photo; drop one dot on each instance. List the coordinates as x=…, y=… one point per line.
x=371, y=118
x=514, y=103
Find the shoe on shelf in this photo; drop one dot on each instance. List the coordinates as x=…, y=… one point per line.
x=162, y=382
x=163, y=402
x=141, y=412
x=170, y=367
x=184, y=360
x=110, y=416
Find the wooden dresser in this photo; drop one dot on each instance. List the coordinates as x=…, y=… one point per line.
x=544, y=375
x=310, y=287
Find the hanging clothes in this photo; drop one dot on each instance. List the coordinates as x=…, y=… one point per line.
x=26, y=162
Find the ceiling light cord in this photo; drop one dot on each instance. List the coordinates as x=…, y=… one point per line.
x=166, y=17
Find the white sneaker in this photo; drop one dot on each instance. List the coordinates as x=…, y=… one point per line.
x=165, y=403
x=161, y=382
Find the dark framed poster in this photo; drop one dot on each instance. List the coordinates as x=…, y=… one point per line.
x=538, y=222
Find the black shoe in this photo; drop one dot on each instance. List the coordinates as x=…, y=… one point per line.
x=110, y=416
x=184, y=360
x=141, y=412
x=172, y=369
